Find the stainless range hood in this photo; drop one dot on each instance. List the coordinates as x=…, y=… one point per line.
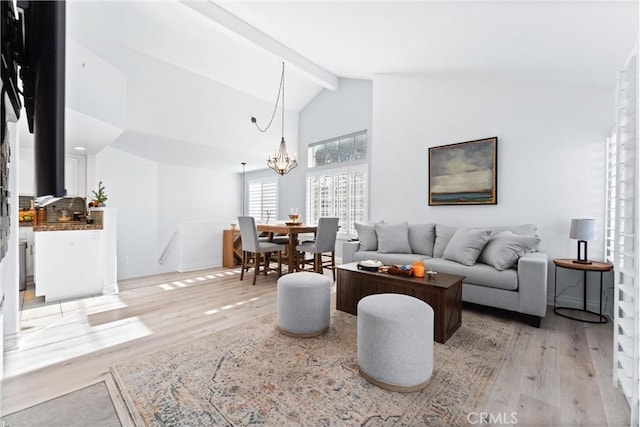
x=42, y=201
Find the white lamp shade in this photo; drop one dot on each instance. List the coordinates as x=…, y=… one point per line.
x=583, y=229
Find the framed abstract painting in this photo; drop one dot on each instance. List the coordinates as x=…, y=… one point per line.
x=465, y=173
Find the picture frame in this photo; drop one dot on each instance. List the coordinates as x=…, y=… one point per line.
x=464, y=173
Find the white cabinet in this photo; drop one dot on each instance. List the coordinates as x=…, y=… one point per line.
x=69, y=264
x=77, y=263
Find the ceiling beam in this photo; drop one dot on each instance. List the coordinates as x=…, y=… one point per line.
x=246, y=31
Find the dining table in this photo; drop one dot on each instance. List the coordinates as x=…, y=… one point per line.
x=292, y=230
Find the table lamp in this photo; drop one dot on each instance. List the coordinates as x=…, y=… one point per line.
x=582, y=229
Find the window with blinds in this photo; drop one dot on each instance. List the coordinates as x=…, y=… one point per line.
x=263, y=199
x=622, y=236
x=338, y=193
x=337, y=181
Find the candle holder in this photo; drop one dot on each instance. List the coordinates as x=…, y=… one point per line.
x=418, y=269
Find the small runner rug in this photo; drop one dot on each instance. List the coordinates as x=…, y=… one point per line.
x=253, y=375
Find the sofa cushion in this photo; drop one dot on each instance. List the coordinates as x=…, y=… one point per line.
x=443, y=235
x=367, y=236
x=466, y=244
x=422, y=238
x=505, y=248
x=388, y=259
x=522, y=229
x=393, y=238
x=478, y=274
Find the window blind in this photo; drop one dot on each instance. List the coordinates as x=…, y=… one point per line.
x=339, y=193
x=622, y=235
x=263, y=199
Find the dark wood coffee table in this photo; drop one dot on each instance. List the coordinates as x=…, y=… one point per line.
x=443, y=294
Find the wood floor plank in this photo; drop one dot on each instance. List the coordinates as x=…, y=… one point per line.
x=580, y=398
x=548, y=376
x=541, y=378
x=506, y=389
x=534, y=412
x=600, y=341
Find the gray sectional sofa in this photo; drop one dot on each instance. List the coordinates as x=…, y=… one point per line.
x=501, y=264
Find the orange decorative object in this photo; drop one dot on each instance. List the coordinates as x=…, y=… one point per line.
x=418, y=269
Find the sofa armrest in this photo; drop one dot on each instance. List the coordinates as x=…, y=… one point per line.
x=532, y=283
x=348, y=249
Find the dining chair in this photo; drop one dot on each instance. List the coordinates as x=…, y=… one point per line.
x=256, y=250
x=323, y=246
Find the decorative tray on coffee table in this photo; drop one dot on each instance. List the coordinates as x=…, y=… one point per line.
x=369, y=265
x=401, y=270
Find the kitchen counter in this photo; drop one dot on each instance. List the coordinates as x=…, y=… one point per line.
x=66, y=226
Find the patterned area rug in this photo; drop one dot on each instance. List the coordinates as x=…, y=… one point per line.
x=253, y=375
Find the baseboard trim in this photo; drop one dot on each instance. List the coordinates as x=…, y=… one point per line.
x=110, y=289
x=573, y=302
x=199, y=266
x=11, y=341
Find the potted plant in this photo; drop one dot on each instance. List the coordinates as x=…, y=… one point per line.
x=100, y=196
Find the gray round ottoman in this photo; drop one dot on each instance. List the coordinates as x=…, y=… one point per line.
x=303, y=304
x=395, y=341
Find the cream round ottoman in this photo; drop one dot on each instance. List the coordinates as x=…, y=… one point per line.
x=395, y=341
x=303, y=304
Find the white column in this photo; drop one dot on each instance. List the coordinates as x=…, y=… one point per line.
x=10, y=274
x=109, y=228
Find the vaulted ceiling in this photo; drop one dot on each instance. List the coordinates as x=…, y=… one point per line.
x=181, y=79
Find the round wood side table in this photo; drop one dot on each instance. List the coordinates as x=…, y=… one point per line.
x=600, y=267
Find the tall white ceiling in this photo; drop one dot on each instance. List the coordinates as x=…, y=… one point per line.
x=240, y=45
x=567, y=42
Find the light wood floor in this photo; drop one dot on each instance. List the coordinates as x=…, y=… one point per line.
x=557, y=375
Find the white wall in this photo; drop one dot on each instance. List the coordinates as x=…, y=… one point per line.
x=190, y=120
x=335, y=113
x=94, y=87
x=132, y=187
x=155, y=200
x=199, y=204
x=550, y=152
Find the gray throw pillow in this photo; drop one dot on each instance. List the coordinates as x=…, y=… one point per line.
x=521, y=229
x=367, y=236
x=421, y=238
x=466, y=244
x=393, y=238
x=506, y=248
x=443, y=235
